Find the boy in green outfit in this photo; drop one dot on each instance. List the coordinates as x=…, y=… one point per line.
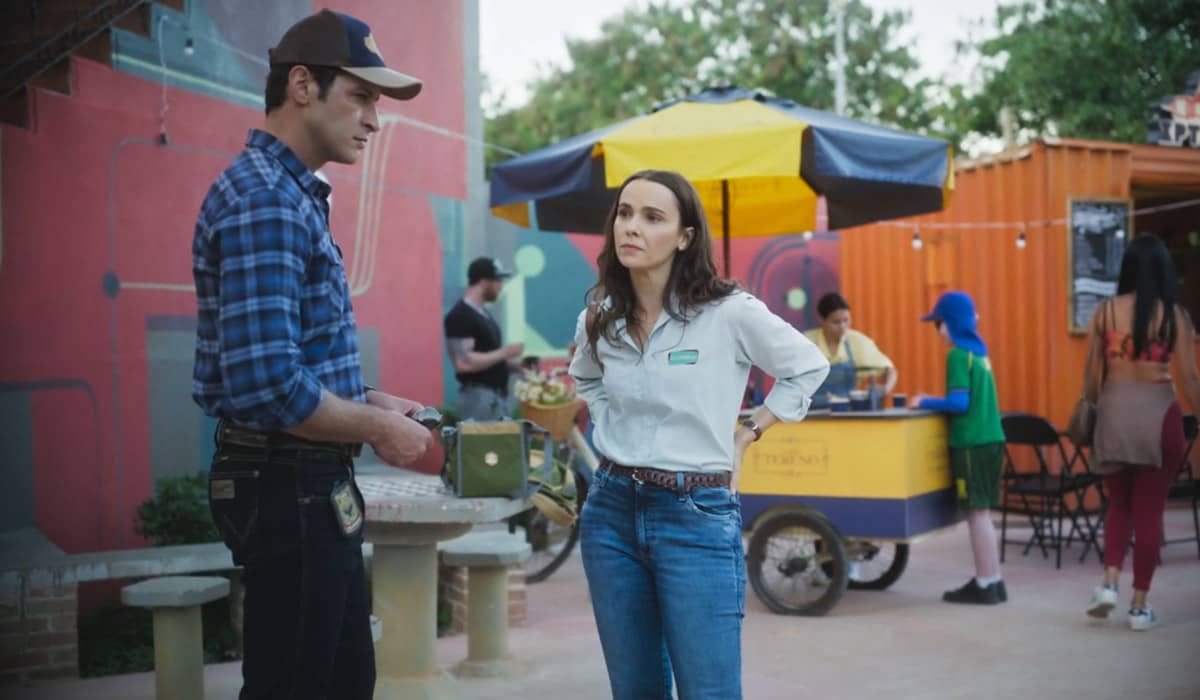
x=976, y=440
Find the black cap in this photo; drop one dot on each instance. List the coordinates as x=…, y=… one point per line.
x=341, y=41
x=486, y=269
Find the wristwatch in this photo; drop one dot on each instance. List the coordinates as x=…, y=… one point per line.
x=749, y=423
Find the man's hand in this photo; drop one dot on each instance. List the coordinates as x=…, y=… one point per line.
x=386, y=401
x=914, y=401
x=402, y=440
x=514, y=350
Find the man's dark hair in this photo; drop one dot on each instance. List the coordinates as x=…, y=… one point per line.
x=830, y=303
x=277, y=81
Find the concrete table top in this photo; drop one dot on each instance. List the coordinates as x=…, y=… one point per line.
x=409, y=497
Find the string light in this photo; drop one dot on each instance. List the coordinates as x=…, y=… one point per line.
x=1021, y=241
x=1024, y=225
x=807, y=235
x=916, y=240
x=189, y=47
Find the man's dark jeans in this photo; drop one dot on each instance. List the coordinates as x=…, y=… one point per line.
x=307, y=630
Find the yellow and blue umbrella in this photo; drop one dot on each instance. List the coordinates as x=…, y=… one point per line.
x=759, y=163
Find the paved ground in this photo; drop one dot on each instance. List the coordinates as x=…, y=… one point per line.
x=898, y=644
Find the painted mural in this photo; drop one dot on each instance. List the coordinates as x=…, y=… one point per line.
x=99, y=201
x=97, y=307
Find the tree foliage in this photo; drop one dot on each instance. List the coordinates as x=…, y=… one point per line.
x=1072, y=68
x=1081, y=68
x=659, y=52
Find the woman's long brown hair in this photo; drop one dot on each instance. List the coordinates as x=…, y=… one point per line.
x=693, y=280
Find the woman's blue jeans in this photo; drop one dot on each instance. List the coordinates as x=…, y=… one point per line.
x=668, y=579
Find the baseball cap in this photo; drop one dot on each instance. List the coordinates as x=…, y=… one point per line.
x=952, y=305
x=333, y=39
x=486, y=269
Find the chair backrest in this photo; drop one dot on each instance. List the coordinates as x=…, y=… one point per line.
x=1028, y=429
x=1037, y=433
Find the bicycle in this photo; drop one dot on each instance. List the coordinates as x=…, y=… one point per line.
x=553, y=543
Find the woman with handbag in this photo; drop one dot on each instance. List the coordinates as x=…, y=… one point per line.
x=1138, y=443
x=662, y=362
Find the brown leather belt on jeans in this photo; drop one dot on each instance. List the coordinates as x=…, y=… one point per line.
x=231, y=435
x=667, y=479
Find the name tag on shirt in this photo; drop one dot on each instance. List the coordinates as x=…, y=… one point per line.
x=683, y=357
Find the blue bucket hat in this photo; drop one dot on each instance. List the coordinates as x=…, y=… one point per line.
x=957, y=311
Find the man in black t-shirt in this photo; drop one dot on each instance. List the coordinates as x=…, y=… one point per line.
x=480, y=361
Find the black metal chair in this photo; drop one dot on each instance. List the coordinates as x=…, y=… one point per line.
x=1047, y=499
x=1188, y=478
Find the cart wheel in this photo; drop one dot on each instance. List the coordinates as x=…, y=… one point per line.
x=797, y=563
x=876, y=565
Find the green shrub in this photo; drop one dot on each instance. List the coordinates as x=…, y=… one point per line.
x=178, y=512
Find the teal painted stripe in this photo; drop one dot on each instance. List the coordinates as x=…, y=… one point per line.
x=155, y=71
x=449, y=215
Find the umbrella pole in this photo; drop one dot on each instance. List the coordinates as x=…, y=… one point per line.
x=725, y=223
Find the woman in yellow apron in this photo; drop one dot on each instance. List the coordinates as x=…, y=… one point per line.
x=849, y=352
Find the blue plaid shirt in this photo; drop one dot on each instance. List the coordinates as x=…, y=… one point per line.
x=275, y=324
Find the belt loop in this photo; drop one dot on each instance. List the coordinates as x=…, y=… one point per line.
x=679, y=486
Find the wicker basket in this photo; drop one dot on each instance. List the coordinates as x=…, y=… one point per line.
x=558, y=419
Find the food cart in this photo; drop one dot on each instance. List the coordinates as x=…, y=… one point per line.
x=834, y=501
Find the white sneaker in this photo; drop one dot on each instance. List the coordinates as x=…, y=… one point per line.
x=1104, y=599
x=1142, y=619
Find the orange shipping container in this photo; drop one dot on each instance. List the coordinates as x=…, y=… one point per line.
x=1022, y=294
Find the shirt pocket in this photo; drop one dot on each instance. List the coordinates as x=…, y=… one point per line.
x=327, y=291
x=680, y=373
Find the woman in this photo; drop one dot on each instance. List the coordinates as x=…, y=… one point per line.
x=662, y=361
x=849, y=352
x=1138, y=444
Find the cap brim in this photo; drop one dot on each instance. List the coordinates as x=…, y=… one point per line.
x=394, y=84
x=930, y=317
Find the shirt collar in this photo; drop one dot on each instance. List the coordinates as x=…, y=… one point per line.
x=482, y=311
x=289, y=160
x=663, y=319
x=833, y=352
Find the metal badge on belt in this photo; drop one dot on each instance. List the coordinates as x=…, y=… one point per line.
x=345, y=508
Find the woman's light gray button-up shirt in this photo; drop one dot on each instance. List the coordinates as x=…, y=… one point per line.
x=675, y=405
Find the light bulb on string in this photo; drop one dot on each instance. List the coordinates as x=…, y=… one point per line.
x=917, y=244
x=807, y=235
x=1021, y=241
x=189, y=47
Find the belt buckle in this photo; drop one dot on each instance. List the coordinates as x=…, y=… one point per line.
x=636, y=476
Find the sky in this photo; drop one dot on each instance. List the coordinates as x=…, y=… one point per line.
x=518, y=36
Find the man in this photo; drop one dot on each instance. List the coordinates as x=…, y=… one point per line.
x=480, y=362
x=277, y=362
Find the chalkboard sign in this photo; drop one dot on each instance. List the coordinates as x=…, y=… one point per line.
x=1098, y=229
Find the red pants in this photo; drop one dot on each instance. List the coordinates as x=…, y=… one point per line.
x=1136, y=499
